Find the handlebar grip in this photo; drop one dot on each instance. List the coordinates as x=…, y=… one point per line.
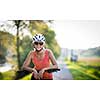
x=52, y=70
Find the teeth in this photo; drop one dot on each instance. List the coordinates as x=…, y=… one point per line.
x=38, y=48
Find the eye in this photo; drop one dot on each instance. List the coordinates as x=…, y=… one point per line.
x=36, y=43
x=41, y=43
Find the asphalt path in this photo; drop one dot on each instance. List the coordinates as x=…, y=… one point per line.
x=64, y=73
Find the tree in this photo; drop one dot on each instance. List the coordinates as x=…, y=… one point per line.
x=52, y=43
x=18, y=25
x=38, y=26
x=6, y=40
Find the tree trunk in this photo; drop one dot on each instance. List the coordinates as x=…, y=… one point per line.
x=18, y=45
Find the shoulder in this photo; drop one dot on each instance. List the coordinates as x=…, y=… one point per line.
x=49, y=51
x=31, y=53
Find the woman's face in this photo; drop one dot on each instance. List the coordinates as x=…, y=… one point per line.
x=38, y=45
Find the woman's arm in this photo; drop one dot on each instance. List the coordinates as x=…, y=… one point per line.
x=27, y=62
x=26, y=66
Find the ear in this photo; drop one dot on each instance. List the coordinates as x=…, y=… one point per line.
x=44, y=45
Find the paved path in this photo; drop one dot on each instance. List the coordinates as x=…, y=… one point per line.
x=64, y=73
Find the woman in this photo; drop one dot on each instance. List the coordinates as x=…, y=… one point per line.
x=41, y=58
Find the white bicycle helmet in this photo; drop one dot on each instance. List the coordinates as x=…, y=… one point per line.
x=38, y=38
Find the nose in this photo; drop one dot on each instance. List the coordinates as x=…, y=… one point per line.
x=38, y=45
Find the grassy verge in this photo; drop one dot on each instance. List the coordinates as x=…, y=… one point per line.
x=82, y=70
x=9, y=75
x=27, y=77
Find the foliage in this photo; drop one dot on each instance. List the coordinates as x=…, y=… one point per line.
x=91, y=52
x=52, y=43
x=38, y=26
x=6, y=41
x=25, y=48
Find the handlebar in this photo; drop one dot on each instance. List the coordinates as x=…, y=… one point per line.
x=22, y=73
x=52, y=70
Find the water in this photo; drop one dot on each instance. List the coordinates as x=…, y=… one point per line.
x=5, y=67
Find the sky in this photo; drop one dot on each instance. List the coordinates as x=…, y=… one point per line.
x=77, y=34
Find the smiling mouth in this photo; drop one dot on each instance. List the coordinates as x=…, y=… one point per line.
x=39, y=48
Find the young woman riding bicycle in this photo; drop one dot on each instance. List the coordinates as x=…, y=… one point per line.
x=41, y=58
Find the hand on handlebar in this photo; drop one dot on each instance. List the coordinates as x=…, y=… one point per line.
x=49, y=70
x=36, y=74
x=41, y=73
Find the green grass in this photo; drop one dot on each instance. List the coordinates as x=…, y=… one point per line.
x=27, y=77
x=84, y=71
x=9, y=75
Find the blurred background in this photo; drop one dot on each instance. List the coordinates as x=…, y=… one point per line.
x=75, y=44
